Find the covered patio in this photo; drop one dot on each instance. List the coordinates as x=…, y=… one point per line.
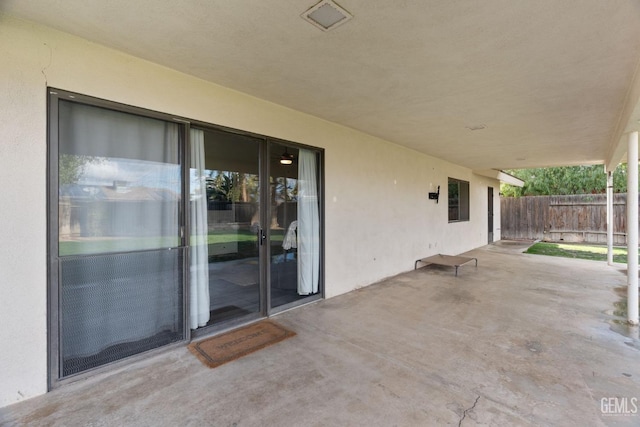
x=519, y=340
x=402, y=99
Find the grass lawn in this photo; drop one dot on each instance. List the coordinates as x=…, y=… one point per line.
x=576, y=250
x=123, y=244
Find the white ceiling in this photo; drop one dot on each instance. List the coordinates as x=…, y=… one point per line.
x=548, y=79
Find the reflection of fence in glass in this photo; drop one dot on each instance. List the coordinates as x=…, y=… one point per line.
x=231, y=212
x=96, y=218
x=112, y=219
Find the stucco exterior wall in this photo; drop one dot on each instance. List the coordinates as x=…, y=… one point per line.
x=378, y=217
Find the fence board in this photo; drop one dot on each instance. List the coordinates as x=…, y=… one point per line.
x=578, y=218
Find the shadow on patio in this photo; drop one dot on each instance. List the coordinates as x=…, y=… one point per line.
x=521, y=340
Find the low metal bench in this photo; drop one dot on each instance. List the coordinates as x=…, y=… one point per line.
x=448, y=260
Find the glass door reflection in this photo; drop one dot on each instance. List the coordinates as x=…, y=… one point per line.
x=294, y=224
x=225, y=225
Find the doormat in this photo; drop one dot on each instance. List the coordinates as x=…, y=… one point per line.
x=232, y=345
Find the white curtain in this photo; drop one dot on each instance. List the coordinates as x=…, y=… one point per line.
x=308, y=224
x=199, y=286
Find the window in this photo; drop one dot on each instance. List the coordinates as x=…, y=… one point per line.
x=458, y=200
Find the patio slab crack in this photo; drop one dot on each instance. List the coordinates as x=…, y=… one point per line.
x=464, y=414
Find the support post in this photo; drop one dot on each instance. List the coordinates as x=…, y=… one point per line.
x=632, y=229
x=609, y=217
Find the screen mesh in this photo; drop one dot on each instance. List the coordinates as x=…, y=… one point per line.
x=117, y=305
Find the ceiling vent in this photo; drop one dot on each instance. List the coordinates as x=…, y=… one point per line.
x=327, y=15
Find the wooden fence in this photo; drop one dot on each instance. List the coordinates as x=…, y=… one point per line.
x=575, y=218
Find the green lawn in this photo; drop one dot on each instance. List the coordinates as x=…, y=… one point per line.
x=575, y=250
x=107, y=245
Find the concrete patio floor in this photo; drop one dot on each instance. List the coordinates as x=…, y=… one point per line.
x=521, y=340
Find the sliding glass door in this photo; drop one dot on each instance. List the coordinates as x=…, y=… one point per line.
x=232, y=204
x=295, y=250
x=226, y=230
x=161, y=230
x=118, y=249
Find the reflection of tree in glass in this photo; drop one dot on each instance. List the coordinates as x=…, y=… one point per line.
x=283, y=190
x=218, y=187
x=453, y=192
x=250, y=185
x=232, y=187
x=72, y=166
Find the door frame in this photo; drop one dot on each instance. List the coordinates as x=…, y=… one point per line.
x=321, y=200
x=262, y=246
x=265, y=249
x=53, y=274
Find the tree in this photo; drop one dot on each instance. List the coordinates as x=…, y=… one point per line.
x=564, y=180
x=231, y=186
x=72, y=166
